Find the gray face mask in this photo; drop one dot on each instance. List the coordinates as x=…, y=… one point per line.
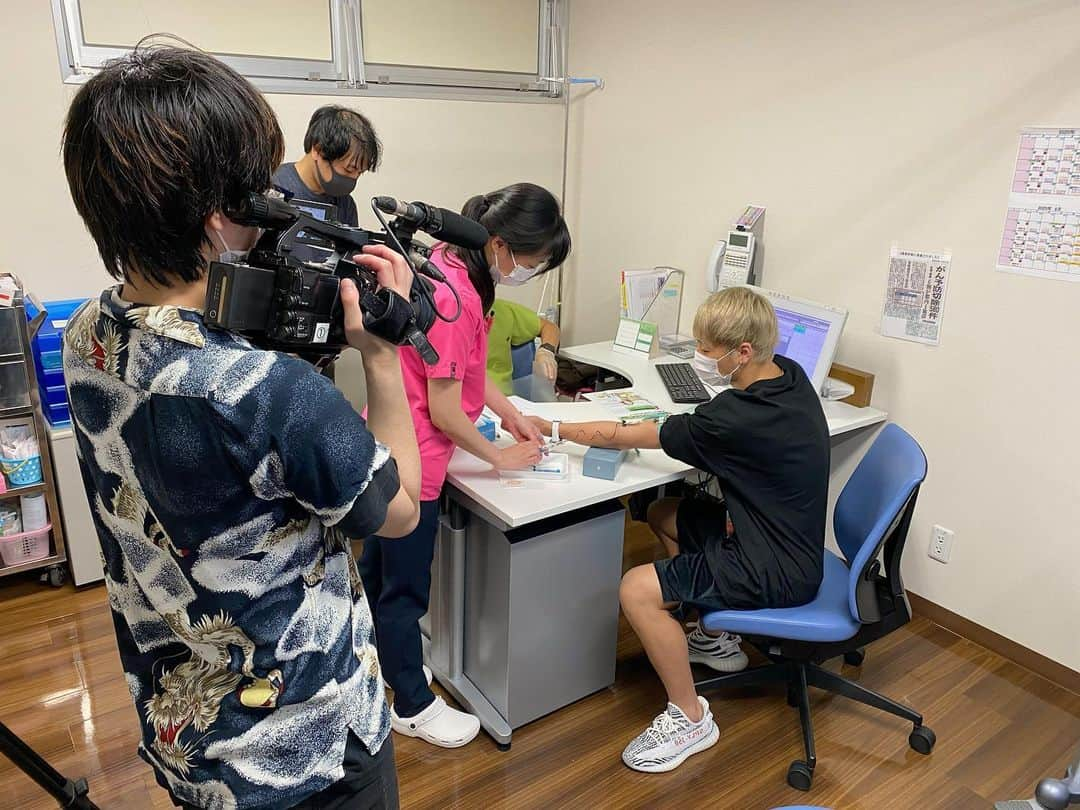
x=339, y=185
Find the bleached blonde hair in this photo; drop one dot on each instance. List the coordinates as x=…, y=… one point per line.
x=738, y=315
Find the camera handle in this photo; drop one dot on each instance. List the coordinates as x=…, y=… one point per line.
x=389, y=316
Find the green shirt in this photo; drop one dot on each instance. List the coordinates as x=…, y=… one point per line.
x=511, y=325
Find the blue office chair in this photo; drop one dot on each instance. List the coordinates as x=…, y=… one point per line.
x=522, y=357
x=861, y=598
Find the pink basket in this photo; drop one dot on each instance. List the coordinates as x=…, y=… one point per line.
x=17, y=549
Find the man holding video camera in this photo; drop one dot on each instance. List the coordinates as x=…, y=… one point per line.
x=225, y=481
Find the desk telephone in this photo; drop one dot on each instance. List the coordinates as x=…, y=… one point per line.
x=731, y=261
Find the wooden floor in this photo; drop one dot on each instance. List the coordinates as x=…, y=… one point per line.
x=999, y=727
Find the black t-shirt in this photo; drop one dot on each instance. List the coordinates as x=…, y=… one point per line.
x=768, y=446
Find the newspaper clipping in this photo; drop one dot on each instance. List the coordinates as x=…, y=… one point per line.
x=915, y=296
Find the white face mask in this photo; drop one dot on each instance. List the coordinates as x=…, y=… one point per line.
x=518, y=276
x=708, y=370
x=235, y=256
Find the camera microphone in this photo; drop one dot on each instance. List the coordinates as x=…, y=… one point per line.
x=439, y=222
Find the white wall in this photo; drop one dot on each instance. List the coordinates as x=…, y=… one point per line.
x=860, y=125
x=439, y=151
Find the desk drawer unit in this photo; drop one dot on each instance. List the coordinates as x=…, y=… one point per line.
x=542, y=610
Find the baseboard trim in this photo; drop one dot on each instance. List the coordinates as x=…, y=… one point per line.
x=1007, y=648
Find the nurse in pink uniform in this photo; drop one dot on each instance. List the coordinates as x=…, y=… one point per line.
x=528, y=237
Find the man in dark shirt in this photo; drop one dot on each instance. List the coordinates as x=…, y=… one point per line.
x=766, y=440
x=340, y=145
x=225, y=480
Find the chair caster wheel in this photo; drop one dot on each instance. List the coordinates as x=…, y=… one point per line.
x=922, y=739
x=799, y=775
x=503, y=746
x=54, y=575
x=1053, y=794
x=854, y=658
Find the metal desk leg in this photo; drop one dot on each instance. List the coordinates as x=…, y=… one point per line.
x=445, y=651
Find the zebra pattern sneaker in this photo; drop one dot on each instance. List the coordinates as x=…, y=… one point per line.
x=671, y=739
x=721, y=652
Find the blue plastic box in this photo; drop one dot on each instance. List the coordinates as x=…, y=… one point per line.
x=602, y=463
x=48, y=363
x=486, y=426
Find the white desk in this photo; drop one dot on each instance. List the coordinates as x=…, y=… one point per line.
x=479, y=487
x=550, y=555
x=842, y=417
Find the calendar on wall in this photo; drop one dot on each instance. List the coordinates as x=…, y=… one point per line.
x=1042, y=225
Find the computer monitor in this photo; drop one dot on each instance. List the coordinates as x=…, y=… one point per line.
x=809, y=333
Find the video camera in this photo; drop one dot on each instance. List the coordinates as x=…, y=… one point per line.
x=280, y=301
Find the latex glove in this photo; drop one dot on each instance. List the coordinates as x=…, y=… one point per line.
x=545, y=365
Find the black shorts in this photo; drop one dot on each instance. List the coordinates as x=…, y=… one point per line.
x=709, y=572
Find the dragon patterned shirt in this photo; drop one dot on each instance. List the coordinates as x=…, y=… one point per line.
x=223, y=482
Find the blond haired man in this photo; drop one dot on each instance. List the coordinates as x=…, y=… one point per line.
x=766, y=440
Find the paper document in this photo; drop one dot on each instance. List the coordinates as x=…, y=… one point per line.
x=639, y=290
x=750, y=217
x=8, y=291
x=667, y=303
x=1042, y=225
x=624, y=403
x=915, y=296
x=634, y=336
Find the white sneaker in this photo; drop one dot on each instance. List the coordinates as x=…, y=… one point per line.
x=427, y=676
x=438, y=724
x=671, y=739
x=721, y=652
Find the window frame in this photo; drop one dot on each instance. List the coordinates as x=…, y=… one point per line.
x=346, y=73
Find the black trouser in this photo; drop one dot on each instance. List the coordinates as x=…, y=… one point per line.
x=369, y=783
x=397, y=581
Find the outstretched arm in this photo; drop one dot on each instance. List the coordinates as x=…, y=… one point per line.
x=616, y=435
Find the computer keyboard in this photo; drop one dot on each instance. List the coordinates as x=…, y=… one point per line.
x=682, y=383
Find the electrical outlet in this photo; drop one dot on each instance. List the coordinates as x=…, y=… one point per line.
x=941, y=540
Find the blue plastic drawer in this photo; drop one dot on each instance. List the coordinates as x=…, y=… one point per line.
x=58, y=414
x=55, y=395
x=52, y=360
x=49, y=342
x=51, y=333
x=49, y=377
x=59, y=312
x=48, y=357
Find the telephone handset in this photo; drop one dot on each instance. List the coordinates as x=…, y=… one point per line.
x=731, y=261
x=715, y=266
